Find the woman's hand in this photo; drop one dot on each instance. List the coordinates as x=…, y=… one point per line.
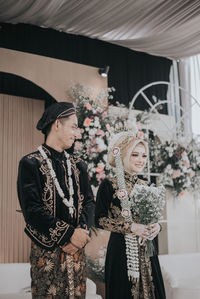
x=154, y=229
x=140, y=230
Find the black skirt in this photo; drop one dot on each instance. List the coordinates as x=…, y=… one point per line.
x=117, y=284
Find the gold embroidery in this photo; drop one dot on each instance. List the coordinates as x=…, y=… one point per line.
x=144, y=288
x=42, y=239
x=47, y=195
x=58, y=231
x=74, y=161
x=35, y=155
x=115, y=222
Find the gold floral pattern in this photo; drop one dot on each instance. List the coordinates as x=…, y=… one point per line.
x=58, y=231
x=44, y=265
x=115, y=222
x=42, y=239
x=144, y=287
x=74, y=161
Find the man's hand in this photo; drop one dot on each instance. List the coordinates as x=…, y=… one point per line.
x=69, y=248
x=80, y=237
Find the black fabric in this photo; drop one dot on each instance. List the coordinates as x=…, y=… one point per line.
x=129, y=70
x=53, y=112
x=116, y=278
x=39, y=199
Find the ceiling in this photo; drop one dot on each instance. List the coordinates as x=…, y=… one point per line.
x=169, y=28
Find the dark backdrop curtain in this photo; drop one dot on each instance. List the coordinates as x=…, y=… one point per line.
x=129, y=70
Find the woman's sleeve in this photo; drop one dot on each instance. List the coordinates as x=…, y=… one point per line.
x=34, y=211
x=107, y=215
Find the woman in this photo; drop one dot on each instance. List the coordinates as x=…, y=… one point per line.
x=128, y=155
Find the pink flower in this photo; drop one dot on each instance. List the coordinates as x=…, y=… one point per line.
x=89, y=149
x=104, y=114
x=181, y=193
x=108, y=127
x=100, y=176
x=99, y=168
x=187, y=164
x=183, y=154
x=176, y=173
x=140, y=134
x=78, y=134
x=98, y=150
x=100, y=132
x=99, y=110
x=78, y=145
x=87, y=122
x=192, y=173
x=139, y=126
x=88, y=106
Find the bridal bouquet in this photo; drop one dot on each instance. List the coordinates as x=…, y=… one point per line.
x=147, y=205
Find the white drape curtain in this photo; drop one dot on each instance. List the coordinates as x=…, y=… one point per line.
x=159, y=27
x=189, y=70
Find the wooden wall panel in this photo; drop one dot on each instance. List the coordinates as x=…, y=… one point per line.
x=18, y=118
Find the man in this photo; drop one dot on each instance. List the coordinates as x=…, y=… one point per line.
x=58, y=207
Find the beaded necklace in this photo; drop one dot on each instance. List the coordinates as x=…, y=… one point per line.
x=69, y=203
x=130, y=240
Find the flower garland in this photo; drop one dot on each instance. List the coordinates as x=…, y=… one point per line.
x=69, y=203
x=130, y=240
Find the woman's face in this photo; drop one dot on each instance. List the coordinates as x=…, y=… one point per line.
x=138, y=159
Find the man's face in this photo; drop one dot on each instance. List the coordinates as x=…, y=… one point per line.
x=67, y=131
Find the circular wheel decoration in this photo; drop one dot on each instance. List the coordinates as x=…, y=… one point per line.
x=122, y=193
x=116, y=151
x=125, y=213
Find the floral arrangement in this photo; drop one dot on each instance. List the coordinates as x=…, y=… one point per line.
x=94, y=125
x=176, y=163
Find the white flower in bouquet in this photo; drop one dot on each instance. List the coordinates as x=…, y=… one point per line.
x=170, y=150
x=169, y=169
x=147, y=205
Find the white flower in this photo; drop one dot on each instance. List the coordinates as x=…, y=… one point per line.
x=92, y=132
x=105, y=158
x=101, y=144
x=96, y=122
